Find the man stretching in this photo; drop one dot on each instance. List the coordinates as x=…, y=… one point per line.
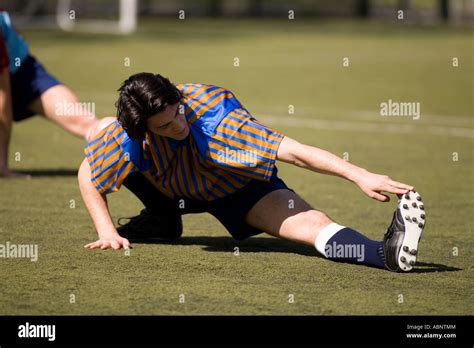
x=194, y=148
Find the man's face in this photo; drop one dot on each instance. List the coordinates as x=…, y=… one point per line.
x=169, y=123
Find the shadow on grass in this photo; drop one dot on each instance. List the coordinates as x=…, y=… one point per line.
x=38, y=173
x=258, y=244
x=429, y=267
x=251, y=245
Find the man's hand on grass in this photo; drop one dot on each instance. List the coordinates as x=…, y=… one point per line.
x=112, y=242
x=374, y=184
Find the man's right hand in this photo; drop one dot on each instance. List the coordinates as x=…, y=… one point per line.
x=113, y=242
x=96, y=204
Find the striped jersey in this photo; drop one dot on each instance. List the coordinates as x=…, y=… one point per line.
x=225, y=149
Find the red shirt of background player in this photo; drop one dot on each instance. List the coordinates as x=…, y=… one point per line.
x=4, y=61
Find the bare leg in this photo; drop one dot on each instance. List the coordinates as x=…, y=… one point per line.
x=60, y=105
x=282, y=213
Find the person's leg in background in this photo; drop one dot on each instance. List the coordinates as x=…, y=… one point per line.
x=36, y=92
x=61, y=106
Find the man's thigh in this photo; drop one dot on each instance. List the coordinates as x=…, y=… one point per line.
x=282, y=213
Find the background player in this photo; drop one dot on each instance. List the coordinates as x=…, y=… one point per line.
x=27, y=89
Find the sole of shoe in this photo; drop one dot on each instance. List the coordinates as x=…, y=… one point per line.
x=412, y=207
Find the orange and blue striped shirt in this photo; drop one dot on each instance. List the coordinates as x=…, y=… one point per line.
x=226, y=148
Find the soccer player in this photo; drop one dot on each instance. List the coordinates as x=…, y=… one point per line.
x=194, y=148
x=26, y=89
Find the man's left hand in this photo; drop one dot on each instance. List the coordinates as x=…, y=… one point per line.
x=374, y=184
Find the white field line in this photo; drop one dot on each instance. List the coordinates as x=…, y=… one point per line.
x=371, y=127
x=371, y=115
x=438, y=120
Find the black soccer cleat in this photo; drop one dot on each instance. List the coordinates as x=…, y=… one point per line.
x=148, y=227
x=404, y=233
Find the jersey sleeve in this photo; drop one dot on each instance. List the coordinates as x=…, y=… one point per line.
x=244, y=146
x=112, y=156
x=4, y=60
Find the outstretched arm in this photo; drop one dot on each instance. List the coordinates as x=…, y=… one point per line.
x=321, y=161
x=96, y=204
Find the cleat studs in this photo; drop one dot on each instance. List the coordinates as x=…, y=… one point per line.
x=405, y=206
x=414, y=219
x=413, y=252
x=422, y=216
x=422, y=207
x=412, y=263
x=403, y=259
x=414, y=191
x=418, y=198
x=407, y=218
x=405, y=248
x=420, y=225
x=407, y=196
x=414, y=205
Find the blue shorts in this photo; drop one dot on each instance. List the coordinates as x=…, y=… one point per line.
x=232, y=210
x=28, y=83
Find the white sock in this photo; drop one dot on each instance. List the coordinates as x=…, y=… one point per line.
x=325, y=235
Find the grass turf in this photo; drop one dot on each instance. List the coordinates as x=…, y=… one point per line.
x=281, y=63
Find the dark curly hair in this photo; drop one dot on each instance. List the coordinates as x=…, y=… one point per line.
x=141, y=96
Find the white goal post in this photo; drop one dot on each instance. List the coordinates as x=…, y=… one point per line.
x=126, y=24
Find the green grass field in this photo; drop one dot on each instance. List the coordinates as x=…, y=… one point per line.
x=282, y=63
